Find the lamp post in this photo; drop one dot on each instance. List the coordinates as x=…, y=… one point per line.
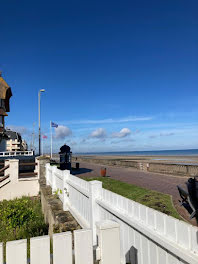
x=39, y=113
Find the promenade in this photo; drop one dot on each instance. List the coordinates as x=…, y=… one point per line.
x=154, y=181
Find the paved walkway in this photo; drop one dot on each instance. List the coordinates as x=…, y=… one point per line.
x=154, y=181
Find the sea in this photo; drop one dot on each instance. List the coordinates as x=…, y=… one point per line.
x=184, y=152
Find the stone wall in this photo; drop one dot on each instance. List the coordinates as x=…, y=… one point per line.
x=113, y=162
x=166, y=168
x=52, y=208
x=175, y=169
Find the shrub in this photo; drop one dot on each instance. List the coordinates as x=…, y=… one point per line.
x=21, y=218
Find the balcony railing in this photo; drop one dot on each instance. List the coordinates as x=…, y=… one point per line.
x=16, y=153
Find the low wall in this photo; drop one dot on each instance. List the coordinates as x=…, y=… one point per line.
x=57, y=219
x=52, y=208
x=122, y=163
x=16, y=187
x=11, y=191
x=176, y=169
x=166, y=168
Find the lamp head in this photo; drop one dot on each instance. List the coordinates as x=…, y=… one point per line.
x=42, y=90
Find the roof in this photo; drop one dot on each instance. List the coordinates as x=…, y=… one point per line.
x=13, y=135
x=5, y=93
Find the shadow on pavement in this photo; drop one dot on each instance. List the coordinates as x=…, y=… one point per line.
x=80, y=171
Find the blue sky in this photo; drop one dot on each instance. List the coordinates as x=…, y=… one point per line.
x=119, y=75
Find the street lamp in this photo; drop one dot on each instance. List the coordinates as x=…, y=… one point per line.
x=39, y=113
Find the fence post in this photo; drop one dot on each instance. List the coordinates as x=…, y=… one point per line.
x=37, y=167
x=95, y=190
x=53, y=179
x=47, y=166
x=66, y=174
x=13, y=170
x=108, y=251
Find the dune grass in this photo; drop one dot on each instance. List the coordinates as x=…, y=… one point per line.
x=156, y=200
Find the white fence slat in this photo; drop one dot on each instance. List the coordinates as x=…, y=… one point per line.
x=172, y=260
x=62, y=248
x=142, y=213
x=152, y=253
x=161, y=255
x=183, y=233
x=120, y=204
x=144, y=249
x=170, y=224
x=125, y=203
x=194, y=238
x=151, y=217
x=16, y=252
x=130, y=208
x=160, y=222
x=40, y=250
x=136, y=210
x=83, y=247
x=138, y=246
x=1, y=253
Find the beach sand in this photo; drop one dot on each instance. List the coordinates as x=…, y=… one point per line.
x=190, y=159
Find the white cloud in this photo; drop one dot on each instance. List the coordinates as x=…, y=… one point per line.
x=126, y=140
x=111, y=120
x=98, y=133
x=124, y=132
x=163, y=134
x=62, y=131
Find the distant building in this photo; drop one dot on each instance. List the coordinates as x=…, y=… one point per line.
x=5, y=94
x=24, y=145
x=14, y=141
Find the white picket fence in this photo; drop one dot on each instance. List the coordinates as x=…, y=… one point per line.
x=147, y=236
x=63, y=251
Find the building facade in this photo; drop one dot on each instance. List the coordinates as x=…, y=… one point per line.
x=14, y=141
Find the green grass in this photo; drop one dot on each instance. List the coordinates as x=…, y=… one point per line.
x=156, y=200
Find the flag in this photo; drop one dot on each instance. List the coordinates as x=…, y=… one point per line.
x=54, y=124
x=44, y=136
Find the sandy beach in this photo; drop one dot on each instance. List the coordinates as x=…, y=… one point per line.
x=188, y=159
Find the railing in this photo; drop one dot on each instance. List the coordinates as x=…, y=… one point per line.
x=108, y=234
x=147, y=236
x=21, y=182
x=16, y=153
x=4, y=179
x=31, y=172
x=4, y=168
x=28, y=164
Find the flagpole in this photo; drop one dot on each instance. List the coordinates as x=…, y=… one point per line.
x=51, y=136
x=42, y=145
